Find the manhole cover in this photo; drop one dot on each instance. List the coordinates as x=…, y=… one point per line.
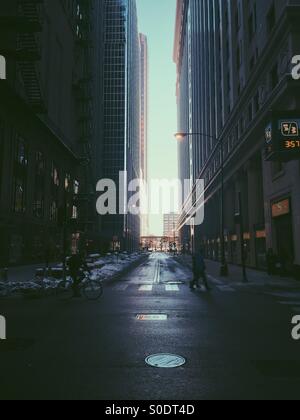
x=152, y=317
x=167, y=361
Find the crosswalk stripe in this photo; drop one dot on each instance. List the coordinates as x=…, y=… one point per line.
x=172, y=288
x=146, y=288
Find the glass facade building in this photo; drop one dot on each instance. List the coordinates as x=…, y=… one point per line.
x=121, y=137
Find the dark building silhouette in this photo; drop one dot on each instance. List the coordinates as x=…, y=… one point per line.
x=50, y=125
x=234, y=66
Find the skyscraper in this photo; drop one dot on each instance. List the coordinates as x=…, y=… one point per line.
x=144, y=125
x=121, y=137
x=234, y=62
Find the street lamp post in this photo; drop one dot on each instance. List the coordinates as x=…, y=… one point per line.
x=224, y=266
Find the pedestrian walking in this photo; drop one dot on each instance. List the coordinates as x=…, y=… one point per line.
x=199, y=271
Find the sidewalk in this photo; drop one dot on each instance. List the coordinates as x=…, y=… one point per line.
x=24, y=273
x=255, y=277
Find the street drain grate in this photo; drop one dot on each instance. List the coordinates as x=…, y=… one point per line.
x=165, y=361
x=279, y=368
x=152, y=317
x=15, y=345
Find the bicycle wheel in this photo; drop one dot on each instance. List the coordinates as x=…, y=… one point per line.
x=64, y=291
x=92, y=290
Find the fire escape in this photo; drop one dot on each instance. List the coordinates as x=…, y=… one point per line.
x=84, y=94
x=26, y=24
x=28, y=52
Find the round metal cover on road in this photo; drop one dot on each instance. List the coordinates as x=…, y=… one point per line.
x=166, y=361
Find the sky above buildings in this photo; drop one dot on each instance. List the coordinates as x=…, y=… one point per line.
x=158, y=24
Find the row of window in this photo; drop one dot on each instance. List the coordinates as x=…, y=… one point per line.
x=20, y=183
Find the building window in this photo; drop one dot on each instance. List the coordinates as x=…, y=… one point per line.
x=55, y=175
x=54, y=211
x=54, y=193
x=21, y=152
x=76, y=187
x=19, y=195
x=20, y=176
x=39, y=199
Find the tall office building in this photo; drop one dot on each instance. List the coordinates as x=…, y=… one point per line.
x=121, y=137
x=47, y=120
x=144, y=126
x=234, y=65
x=170, y=225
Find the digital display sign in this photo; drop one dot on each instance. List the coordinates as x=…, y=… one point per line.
x=282, y=136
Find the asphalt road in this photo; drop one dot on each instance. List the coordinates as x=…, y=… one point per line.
x=236, y=341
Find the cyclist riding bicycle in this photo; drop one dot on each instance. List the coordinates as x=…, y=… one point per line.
x=76, y=264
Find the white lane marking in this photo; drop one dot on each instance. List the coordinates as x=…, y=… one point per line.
x=121, y=287
x=157, y=273
x=146, y=288
x=172, y=288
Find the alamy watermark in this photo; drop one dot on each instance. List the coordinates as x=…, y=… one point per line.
x=2, y=67
x=2, y=328
x=157, y=197
x=296, y=328
x=296, y=67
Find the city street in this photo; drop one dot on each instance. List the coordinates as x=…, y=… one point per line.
x=236, y=340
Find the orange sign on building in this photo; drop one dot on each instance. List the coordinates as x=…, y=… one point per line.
x=282, y=208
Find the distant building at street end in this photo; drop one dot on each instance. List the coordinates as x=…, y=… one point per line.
x=170, y=225
x=228, y=80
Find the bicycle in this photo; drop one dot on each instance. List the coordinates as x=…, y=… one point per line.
x=88, y=287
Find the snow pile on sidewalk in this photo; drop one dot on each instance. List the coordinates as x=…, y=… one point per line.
x=115, y=264
x=102, y=267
